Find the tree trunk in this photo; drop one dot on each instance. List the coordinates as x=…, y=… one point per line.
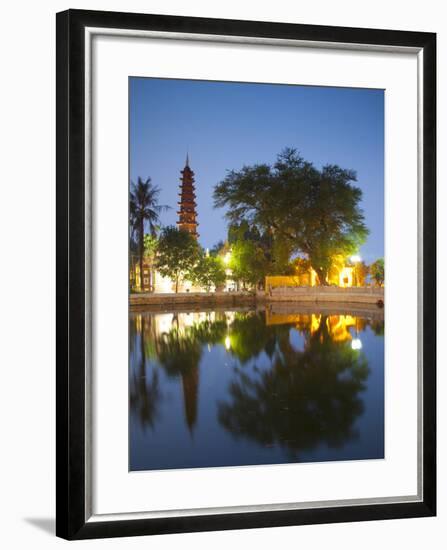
x=176, y=285
x=141, y=243
x=322, y=276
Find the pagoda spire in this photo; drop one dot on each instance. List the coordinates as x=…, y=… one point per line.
x=187, y=214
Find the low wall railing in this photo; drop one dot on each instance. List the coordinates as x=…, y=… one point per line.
x=328, y=290
x=230, y=298
x=326, y=293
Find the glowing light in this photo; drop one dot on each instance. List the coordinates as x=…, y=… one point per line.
x=227, y=258
x=356, y=344
x=227, y=342
x=356, y=259
x=163, y=285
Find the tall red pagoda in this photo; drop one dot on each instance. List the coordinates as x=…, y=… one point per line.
x=187, y=215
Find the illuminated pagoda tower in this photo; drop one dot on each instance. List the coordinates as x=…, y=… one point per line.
x=187, y=215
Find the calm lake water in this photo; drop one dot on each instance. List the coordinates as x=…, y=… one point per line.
x=232, y=388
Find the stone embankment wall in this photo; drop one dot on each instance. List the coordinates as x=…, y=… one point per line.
x=368, y=295
x=189, y=298
x=298, y=294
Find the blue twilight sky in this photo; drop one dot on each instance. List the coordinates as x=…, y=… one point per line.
x=224, y=125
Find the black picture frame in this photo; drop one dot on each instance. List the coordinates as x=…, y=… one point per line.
x=71, y=518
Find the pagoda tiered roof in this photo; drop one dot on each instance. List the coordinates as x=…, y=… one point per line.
x=187, y=211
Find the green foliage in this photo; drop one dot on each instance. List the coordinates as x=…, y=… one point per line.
x=208, y=271
x=218, y=247
x=248, y=263
x=377, y=270
x=150, y=246
x=177, y=254
x=255, y=254
x=303, y=209
x=281, y=252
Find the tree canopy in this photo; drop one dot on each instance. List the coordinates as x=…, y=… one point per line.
x=304, y=210
x=144, y=212
x=177, y=254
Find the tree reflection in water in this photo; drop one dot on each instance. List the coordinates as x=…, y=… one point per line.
x=298, y=400
x=144, y=390
x=179, y=351
x=249, y=336
x=307, y=398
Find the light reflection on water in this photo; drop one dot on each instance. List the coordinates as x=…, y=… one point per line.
x=228, y=388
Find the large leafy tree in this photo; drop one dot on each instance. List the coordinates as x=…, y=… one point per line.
x=177, y=254
x=309, y=211
x=144, y=213
x=250, y=254
x=247, y=264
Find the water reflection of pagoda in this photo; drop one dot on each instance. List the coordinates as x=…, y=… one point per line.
x=190, y=384
x=187, y=214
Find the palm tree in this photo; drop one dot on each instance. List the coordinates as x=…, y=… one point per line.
x=144, y=211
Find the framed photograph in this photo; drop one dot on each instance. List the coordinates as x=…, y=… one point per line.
x=246, y=308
